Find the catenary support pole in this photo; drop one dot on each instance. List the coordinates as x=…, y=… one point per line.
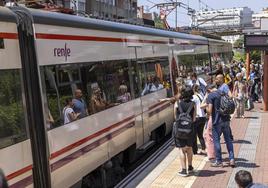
x=265, y=82
x=248, y=62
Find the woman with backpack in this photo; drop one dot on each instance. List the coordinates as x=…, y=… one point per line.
x=184, y=113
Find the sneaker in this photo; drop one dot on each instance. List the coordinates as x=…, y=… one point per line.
x=217, y=164
x=190, y=169
x=183, y=173
x=232, y=163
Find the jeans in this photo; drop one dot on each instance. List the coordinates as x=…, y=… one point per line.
x=217, y=130
x=240, y=108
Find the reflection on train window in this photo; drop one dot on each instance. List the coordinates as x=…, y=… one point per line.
x=12, y=119
x=67, y=75
x=156, y=75
x=103, y=85
x=198, y=63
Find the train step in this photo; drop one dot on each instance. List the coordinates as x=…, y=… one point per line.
x=147, y=146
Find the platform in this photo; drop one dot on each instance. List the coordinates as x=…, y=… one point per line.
x=251, y=153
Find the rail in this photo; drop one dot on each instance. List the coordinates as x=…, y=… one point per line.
x=144, y=165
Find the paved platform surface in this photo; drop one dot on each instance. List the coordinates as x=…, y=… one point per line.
x=251, y=153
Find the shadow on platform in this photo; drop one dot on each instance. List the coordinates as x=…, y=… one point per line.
x=241, y=142
x=240, y=162
x=251, y=117
x=208, y=173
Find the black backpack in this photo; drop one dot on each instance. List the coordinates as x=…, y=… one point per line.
x=183, y=125
x=227, y=105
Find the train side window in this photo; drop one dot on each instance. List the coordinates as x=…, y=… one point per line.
x=104, y=85
x=60, y=84
x=12, y=116
x=108, y=84
x=156, y=75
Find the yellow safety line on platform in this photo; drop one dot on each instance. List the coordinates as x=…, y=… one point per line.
x=170, y=178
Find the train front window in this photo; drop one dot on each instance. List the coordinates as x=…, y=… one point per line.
x=12, y=118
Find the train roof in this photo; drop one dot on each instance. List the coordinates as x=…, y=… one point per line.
x=59, y=19
x=7, y=15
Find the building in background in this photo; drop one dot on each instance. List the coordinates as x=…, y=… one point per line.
x=116, y=9
x=256, y=18
x=113, y=9
x=224, y=18
x=145, y=18
x=231, y=38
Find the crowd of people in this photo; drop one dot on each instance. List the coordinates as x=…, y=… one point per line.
x=203, y=110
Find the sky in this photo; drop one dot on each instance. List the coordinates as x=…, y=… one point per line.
x=183, y=19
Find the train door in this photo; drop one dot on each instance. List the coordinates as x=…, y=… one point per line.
x=156, y=85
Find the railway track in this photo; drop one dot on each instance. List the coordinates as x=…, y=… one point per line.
x=143, y=165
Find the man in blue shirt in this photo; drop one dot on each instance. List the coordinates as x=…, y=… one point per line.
x=221, y=123
x=80, y=105
x=244, y=179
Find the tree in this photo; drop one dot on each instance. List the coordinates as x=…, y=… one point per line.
x=158, y=22
x=255, y=55
x=239, y=55
x=239, y=43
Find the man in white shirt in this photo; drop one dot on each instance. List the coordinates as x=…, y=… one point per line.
x=243, y=71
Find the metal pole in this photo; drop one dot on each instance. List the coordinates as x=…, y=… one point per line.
x=248, y=62
x=210, y=62
x=265, y=82
x=176, y=14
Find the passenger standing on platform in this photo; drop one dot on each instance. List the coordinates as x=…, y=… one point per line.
x=221, y=123
x=179, y=84
x=240, y=94
x=185, y=145
x=198, y=81
x=80, y=106
x=227, y=78
x=208, y=127
x=243, y=71
x=223, y=89
x=200, y=122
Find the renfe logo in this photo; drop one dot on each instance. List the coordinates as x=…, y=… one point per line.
x=62, y=52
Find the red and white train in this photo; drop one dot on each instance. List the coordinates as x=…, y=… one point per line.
x=45, y=56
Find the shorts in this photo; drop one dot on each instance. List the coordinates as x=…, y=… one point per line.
x=181, y=143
